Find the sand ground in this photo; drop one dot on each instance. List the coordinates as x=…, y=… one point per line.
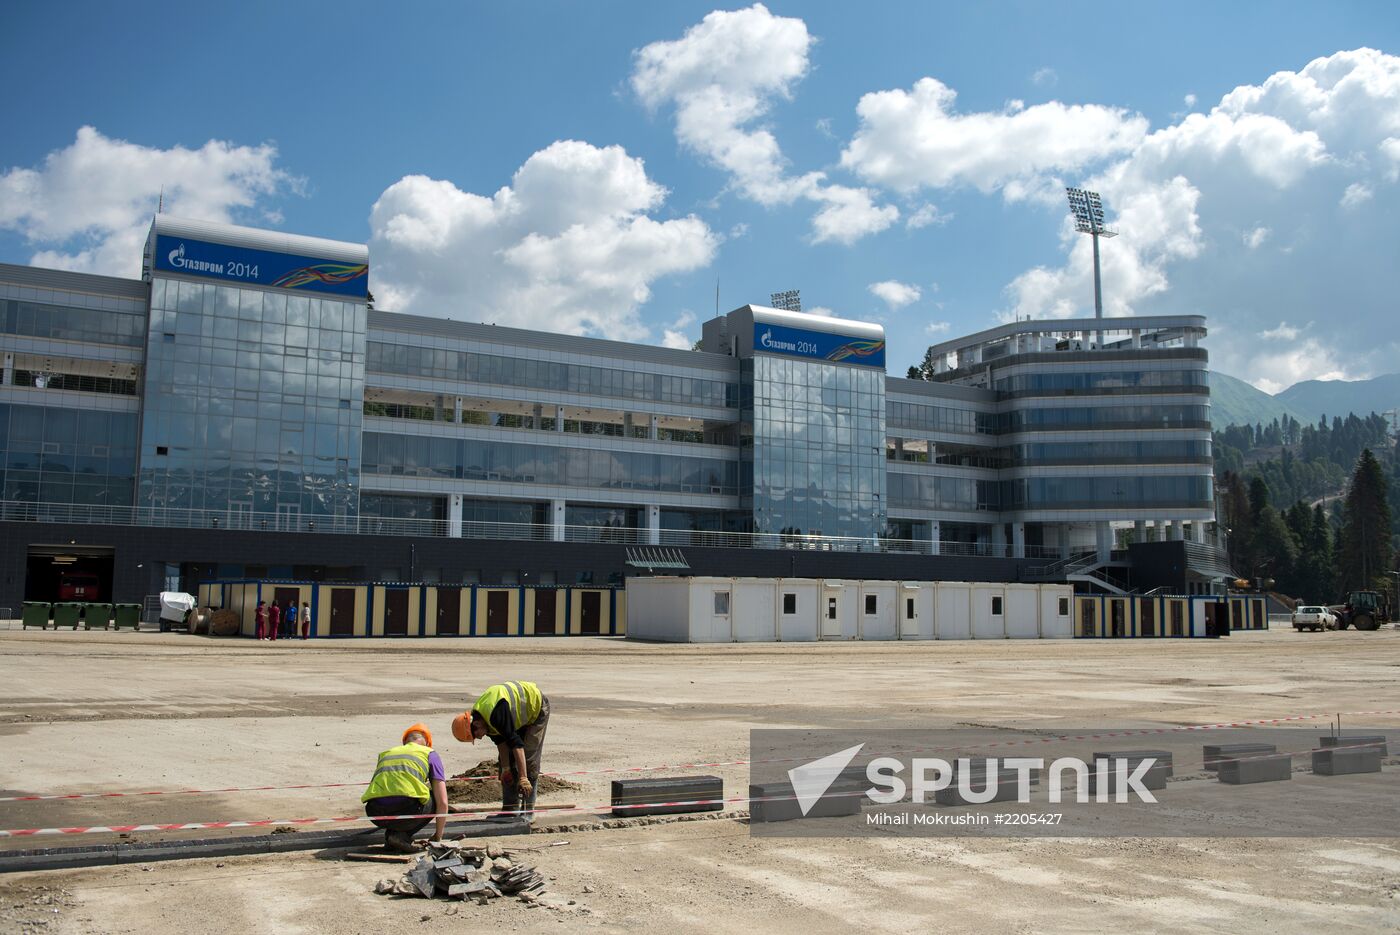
x=132, y=712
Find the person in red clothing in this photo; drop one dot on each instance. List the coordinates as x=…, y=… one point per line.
x=274, y=620
x=260, y=618
x=305, y=619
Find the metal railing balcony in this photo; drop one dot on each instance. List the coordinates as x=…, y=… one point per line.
x=240, y=520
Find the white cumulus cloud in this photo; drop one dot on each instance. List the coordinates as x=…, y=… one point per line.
x=722, y=78
x=916, y=139
x=926, y=215
x=1284, y=332
x=88, y=206
x=895, y=294
x=1045, y=77
x=1195, y=200
x=675, y=336
x=568, y=246
x=1357, y=193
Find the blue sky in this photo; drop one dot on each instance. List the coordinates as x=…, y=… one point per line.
x=816, y=146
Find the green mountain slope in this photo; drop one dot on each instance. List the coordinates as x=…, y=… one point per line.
x=1316, y=398
x=1235, y=402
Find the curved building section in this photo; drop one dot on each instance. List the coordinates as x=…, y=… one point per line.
x=1096, y=422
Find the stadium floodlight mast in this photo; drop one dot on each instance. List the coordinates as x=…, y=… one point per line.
x=790, y=301
x=1087, y=208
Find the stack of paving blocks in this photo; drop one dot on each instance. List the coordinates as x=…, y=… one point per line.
x=1155, y=777
x=1344, y=756
x=634, y=797
x=1240, y=764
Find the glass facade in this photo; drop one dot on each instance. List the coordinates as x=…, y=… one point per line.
x=1106, y=493
x=66, y=323
x=818, y=447
x=1102, y=382
x=253, y=400
x=62, y=455
x=1182, y=451
x=549, y=375
x=478, y=459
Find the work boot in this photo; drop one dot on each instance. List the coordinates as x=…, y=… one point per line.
x=397, y=842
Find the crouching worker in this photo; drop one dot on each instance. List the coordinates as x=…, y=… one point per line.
x=408, y=780
x=514, y=715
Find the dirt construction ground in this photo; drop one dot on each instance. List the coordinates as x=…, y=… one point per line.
x=88, y=712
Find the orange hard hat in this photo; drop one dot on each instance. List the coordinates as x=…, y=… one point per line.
x=462, y=727
x=421, y=728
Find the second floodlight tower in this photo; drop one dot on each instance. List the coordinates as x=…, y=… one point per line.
x=1087, y=208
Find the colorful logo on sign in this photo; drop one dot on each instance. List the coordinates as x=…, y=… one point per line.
x=261, y=267
x=819, y=345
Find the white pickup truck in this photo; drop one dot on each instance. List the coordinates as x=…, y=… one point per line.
x=1313, y=617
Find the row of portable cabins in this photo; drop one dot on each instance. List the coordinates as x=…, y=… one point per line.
x=723, y=610
x=1110, y=616
x=744, y=610
x=392, y=609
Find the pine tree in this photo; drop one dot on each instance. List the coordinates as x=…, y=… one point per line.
x=1363, y=548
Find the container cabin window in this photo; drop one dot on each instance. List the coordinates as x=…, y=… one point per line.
x=872, y=604
x=721, y=603
x=909, y=608
x=996, y=606
x=789, y=603
x=1064, y=607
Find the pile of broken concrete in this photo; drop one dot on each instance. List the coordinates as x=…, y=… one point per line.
x=456, y=870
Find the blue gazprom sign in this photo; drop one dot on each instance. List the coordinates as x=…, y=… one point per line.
x=818, y=345
x=261, y=267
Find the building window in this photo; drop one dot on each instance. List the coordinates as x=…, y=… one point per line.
x=789, y=603
x=1064, y=607
x=872, y=604
x=721, y=603
x=996, y=606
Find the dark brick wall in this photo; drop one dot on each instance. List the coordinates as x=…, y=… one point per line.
x=151, y=547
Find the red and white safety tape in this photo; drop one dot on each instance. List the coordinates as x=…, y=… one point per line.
x=1140, y=732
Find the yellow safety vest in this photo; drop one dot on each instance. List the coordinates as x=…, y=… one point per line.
x=401, y=770
x=524, y=698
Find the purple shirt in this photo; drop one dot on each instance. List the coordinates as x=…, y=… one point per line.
x=407, y=805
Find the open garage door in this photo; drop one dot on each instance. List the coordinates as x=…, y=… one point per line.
x=68, y=573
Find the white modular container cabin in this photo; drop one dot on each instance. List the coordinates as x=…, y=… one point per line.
x=878, y=601
x=745, y=610
x=1022, y=612
x=989, y=611
x=953, y=610
x=1056, y=611
x=916, y=610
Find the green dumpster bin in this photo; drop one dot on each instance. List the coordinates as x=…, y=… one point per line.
x=96, y=616
x=127, y=615
x=66, y=614
x=35, y=614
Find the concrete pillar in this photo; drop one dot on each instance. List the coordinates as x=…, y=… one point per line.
x=8, y=374
x=653, y=524
x=558, y=418
x=627, y=425
x=651, y=427
x=935, y=536
x=1018, y=540
x=999, y=540
x=1164, y=530
x=454, y=516
x=457, y=410
x=1198, y=531
x=899, y=449
x=1177, y=531
x=1140, y=530
x=1063, y=530
x=1103, y=535
x=556, y=518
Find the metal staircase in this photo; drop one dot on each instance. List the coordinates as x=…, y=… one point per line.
x=1084, y=568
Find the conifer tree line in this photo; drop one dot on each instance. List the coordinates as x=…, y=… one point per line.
x=1310, y=505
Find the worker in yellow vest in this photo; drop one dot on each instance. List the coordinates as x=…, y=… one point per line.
x=408, y=780
x=514, y=715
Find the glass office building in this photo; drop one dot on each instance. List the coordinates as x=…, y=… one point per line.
x=244, y=383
